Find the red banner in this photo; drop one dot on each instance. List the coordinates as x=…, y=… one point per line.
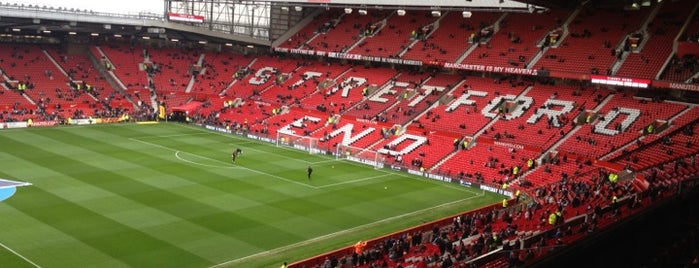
x=185, y=17
x=491, y=69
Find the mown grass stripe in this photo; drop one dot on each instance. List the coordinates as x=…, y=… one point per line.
x=131, y=246
x=180, y=206
x=131, y=174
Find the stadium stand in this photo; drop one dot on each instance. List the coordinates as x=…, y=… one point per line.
x=581, y=152
x=586, y=49
x=515, y=43
x=450, y=40
x=646, y=61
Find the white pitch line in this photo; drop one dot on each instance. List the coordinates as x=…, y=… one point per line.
x=216, y=160
x=279, y=155
x=353, y=181
x=332, y=235
x=177, y=155
x=171, y=136
x=20, y=255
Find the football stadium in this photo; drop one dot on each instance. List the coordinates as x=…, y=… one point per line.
x=349, y=133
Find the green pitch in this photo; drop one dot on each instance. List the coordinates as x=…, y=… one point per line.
x=168, y=196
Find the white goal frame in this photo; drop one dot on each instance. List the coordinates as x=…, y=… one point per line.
x=303, y=143
x=361, y=155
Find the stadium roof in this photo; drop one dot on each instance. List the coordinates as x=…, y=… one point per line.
x=121, y=6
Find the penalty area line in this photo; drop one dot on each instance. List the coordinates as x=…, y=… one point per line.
x=20, y=255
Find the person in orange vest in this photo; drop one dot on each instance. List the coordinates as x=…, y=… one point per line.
x=359, y=247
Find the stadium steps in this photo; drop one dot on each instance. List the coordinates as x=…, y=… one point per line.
x=573, y=131
x=615, y=155
x=536, y=57
x=467, y=52
x=692, y=14
x=10, y=91
x=192, y=80
x=274, y=85
x=58, y=66
x=236, y=80
x=566, y=28
x=101, y=55
x=434, y=29
x=319, y=33
x=367, y=98
x=475, y=44
x=436, y=103
x=565, y=33
x=492, y=122
x=646, y=36
x=445, y=159
x=618, y=151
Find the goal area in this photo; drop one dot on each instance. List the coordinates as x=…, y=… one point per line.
x=304, y=143
x=360, y=155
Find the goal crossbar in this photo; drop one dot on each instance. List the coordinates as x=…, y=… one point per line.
x=304, y=143
x=360, y=155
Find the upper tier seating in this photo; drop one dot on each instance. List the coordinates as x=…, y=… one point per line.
x=681, y=69
x=347, y=32
x=515, y=43
x=663, y=30
x=587, y=48
x=320, y=24
x=451, y=39
x=396, y=35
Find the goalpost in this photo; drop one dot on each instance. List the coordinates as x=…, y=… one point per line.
x=361, y=155
x=304, y=143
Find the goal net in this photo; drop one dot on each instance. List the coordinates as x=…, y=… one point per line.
x=360, y=155
x=304, y=143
